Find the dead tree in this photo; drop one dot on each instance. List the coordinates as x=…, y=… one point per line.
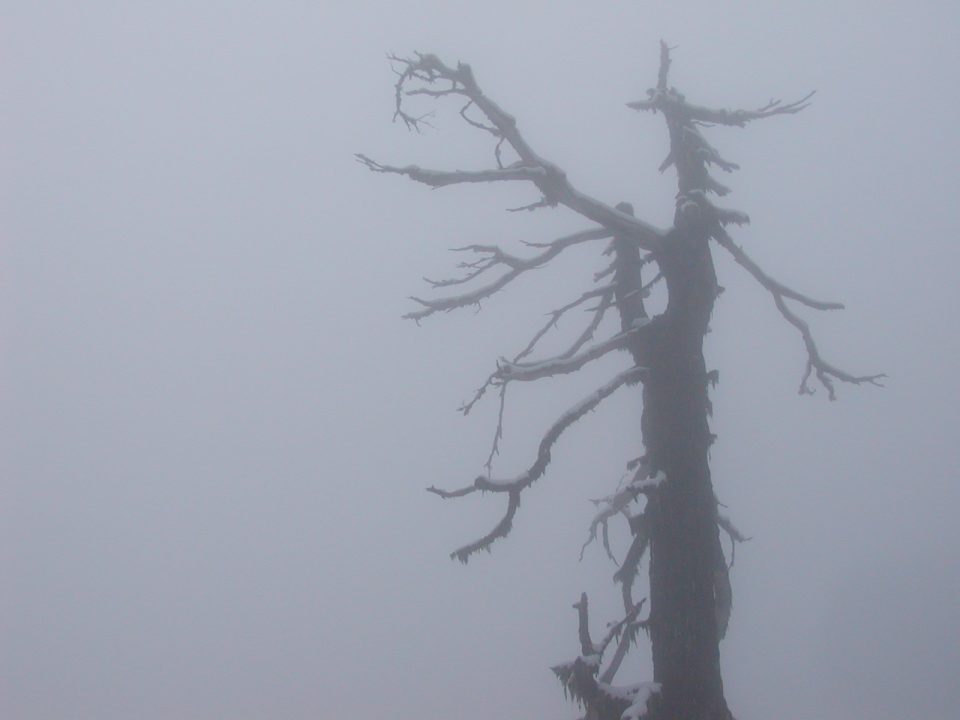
x=679, y=522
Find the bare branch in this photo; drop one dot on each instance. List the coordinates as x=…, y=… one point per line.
x=583, y=626
x=623, y=646
x=496, y=257
x=561, y=365
x=579, y=678
x=631, y=563
x=774, y=286
x=516, y=485
x=670, y=101
x=479, y=125
x=824, y=371
x=605, y=293
x=549, y=178
x=501, y=530
x=740, y=118
x=615, y=629
x=536, y=470
x=697, y=204
x=498, y=433
x=704, y=150
x=442, y=178
x=722, y=593
x=728, y=527
x=640, y=484
x=543, y=202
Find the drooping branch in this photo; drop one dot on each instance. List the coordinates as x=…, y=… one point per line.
x=501, y=530
x=774, y=286
x=550, y=179
x=826, y=372
x=514, y=486
x=495, y=257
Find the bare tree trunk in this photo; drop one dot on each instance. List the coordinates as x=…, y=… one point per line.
x=684, y=538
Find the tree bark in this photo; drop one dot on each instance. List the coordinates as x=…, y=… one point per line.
x=684, y=536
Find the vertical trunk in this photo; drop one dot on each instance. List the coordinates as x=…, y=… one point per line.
x=684, y=538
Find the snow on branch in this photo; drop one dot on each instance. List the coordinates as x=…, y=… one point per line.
x=514, y=486
x=580, y=676
x=425, y=74
x=816, y=365
x=493, y=256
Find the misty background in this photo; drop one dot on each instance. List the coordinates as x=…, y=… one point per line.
x=216, y=429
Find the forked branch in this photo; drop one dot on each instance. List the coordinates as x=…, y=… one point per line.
x=514, y=486
x=493, y=257
x=825, y=372
x=436, y=79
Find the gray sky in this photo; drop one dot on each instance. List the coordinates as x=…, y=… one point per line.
x=216, y=428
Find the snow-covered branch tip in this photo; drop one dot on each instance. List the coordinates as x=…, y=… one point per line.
x=825, y=372
x=514, y=486
x=492, y=256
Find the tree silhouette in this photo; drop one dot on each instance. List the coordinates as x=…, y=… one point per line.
x=679, y=523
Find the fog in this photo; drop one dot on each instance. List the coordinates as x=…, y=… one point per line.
x=216, y=428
